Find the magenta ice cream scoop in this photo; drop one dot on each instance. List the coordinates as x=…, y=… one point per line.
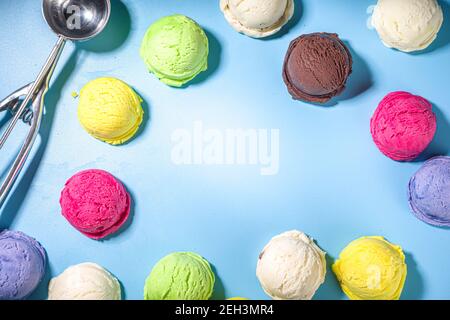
x=22, y=265
x=429, y=192
x=403, y=125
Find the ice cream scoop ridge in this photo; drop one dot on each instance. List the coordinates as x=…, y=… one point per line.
x=95, y=203
x=407, y=25
x=84, y=281
x=175, y=49
x=403, y=125
x=257, y=18
x=316, y=67
x=22, y=265
x=371, y=268
x=180, y=276
x=291, y=267
x=429, y=192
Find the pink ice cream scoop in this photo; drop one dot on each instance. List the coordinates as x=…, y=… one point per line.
x=95, y=203
x=403, y=126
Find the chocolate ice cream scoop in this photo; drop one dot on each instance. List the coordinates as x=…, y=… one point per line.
x=317, y=67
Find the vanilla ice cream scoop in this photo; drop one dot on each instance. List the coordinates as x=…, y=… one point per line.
x=84, y=281
x=291, y=267
x=257, y=18
x=407, y=25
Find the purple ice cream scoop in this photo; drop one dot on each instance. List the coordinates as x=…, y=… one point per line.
x=429, y=192
x=22, y=265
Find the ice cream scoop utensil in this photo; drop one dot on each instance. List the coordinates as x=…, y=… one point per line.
x=74, y=20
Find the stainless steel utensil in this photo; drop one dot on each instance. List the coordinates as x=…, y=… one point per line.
x=74, y=20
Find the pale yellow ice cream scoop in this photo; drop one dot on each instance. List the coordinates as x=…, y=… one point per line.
x=257, y=18
x=84, y=281
x=291, y=267
x=371, y=268
x=407, y=25
x=110, y=110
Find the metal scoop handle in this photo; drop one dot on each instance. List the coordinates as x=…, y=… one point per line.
x=11, y=103
x=43, y=76
x=35, y=93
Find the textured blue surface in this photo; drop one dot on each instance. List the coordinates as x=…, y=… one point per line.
x=333, y=183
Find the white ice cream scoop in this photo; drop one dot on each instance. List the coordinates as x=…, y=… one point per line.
x=407, y=25
x=84, y=281
x=257, y=18
x=291, y=267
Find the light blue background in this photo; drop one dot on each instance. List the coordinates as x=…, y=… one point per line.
x=333, y=182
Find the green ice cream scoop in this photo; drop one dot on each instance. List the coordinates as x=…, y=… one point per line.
x=180, y=276
x=175, y=49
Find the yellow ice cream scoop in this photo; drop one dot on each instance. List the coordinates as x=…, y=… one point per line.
x=371, y=268
x=110, y=110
